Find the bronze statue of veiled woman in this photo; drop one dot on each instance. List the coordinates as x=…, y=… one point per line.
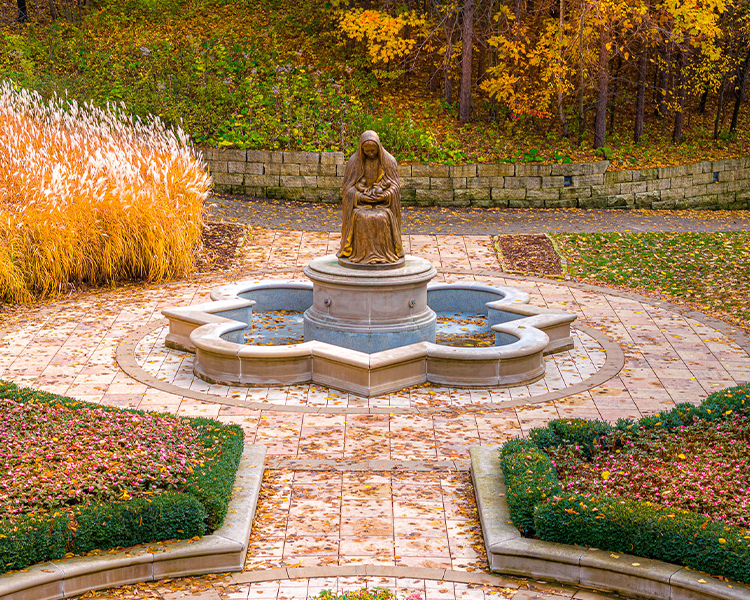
x=371, y=201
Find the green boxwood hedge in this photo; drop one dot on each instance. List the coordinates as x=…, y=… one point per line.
x=28, y=540
x=163, y=517
x=679, y=537
x=533, y=480
x=537, y=506
x=200, y=508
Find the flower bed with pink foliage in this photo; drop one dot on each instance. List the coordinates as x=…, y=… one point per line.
x=673, y=486
x=76, y=476
x=704, y=468
x=58, y=456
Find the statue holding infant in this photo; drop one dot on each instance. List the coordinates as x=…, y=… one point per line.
x=371, y=202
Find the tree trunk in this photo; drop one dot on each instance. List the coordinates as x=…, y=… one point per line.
x=704, y=99
x=602, y=94
x=640, y=102
x=464, y=108
x=481, y=62
x=740, y=93
x=679, y=115
x=719, y=107
x=560, y=111
x=615, y=85
x=661, y=86
x=432, y=81
x=23, y=13
x=447, y=79
x=581, y=116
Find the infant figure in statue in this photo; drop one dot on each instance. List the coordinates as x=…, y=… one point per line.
x=371, y=202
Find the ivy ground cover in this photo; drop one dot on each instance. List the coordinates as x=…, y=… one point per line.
x=710, y=271
x=75, y=476
x=672, y=486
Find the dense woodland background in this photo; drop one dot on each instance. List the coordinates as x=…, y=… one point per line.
x=638, y=82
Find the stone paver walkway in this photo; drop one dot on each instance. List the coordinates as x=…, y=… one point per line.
x=412, y=505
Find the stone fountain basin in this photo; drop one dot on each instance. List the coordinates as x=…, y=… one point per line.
x=214, y=332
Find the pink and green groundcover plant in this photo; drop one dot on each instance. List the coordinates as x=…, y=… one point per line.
x=376, y=593
x=703, y=468
x=57, y=456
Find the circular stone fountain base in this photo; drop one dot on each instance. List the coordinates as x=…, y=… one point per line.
x=370, y=310
x=216, y=331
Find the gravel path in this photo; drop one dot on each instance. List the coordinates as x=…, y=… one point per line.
x=307, y=216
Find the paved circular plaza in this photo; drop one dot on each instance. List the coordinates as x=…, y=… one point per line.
x=376, y=491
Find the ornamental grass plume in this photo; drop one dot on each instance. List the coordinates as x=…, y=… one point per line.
x=91, y=195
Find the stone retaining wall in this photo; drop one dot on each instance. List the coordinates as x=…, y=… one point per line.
x=317, y=176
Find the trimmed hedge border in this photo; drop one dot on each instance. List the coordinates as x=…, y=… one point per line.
x=222, y=551
x=508, y=552
x=167, y=516
x=537, y=505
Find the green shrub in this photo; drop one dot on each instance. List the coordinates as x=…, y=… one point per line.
x=163, y=517
x=719, y=405
x=28, y=540
x=679, y=537
x=212, y=482
x=536, y=504
x=530, y=478
x=583, y=433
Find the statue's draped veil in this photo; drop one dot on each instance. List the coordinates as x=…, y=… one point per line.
x=355, y=169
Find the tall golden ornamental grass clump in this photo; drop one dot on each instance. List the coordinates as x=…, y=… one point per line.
x=90, y=195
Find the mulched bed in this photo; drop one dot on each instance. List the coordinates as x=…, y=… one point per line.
x=529, y=254
x=220, y=242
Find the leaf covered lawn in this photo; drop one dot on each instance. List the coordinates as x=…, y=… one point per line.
x=709, y=271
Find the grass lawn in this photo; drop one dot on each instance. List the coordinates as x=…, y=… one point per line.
x=709, y=271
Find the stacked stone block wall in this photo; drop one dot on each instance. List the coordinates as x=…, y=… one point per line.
x=317, y=177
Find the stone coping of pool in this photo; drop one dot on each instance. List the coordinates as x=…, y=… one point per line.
x=223, y=550
x=206, y=330
x=510, y=553
x=125, y=356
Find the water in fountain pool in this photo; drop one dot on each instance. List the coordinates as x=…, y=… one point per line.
x=281, y=327
x=463, y=329
x=276, y=328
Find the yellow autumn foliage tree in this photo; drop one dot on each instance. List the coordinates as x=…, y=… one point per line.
x=386, y=38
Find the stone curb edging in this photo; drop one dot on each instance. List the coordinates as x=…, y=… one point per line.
x=508, y=552
x=424, y=573
x=125, y=357
x=286, y=573
x=224, y=550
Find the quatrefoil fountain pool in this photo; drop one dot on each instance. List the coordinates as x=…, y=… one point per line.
x=368, y=332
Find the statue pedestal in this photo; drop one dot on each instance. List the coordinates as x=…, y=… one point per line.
x=370, y=310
